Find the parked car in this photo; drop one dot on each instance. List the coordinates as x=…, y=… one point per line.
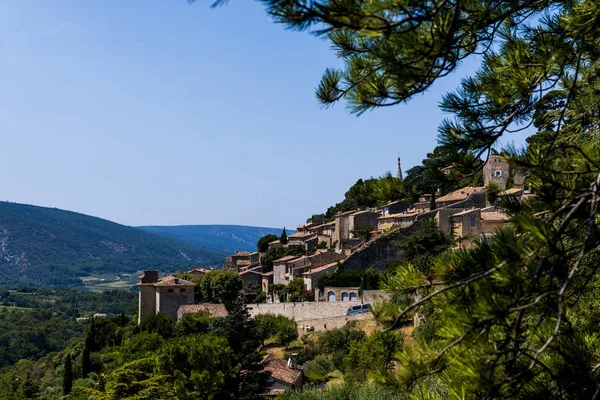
x=359, y=309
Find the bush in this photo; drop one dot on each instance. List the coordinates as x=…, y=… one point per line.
x=192, y=323
x=316, y=371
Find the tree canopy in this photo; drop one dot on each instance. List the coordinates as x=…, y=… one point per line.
x=516, y=314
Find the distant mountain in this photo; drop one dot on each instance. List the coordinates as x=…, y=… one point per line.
x=48, y=246
x=227, y=238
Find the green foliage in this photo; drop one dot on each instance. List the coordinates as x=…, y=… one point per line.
x=221, y=287
x=283, y=329
x=316, y=371
x=336, y=343
x=197, y=366
x=345, y=392
x=364, y=279
x=192, y=323
x=159, y=323
x=278, y=251
x=263, y=243
x=369, y=193
x=63, y=245
x=67, y=375
x=492, y=190
x=377, y=352
x=85, y=362
x=422, y=246
x=363, y=232
x=283, y=237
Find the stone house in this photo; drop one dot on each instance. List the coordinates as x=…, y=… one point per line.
x=284, y=375
x=282, y=270
x=402, y=220
x=274, y=243
x=360, y=219
x=471, y=224
x=214, y=310
x=306, y=239
x=320, y=258
x=267, y=279
x=198, y=271
x=163, y=295
x=252, y=280
x=333, y=294
x=342, y=227
x=239, y=260
x=496, y=170
x=311, y=275
x=395, y=207
x=457, y=195
x=423, y=206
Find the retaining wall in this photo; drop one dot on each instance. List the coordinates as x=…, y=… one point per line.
x=381, y=251
x=303, y=311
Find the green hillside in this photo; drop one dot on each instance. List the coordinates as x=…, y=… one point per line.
x=48, y=246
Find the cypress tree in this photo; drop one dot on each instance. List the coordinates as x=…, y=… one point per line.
x=67, y=375
x=283, y=238
x=123, y=319
x=85, y=362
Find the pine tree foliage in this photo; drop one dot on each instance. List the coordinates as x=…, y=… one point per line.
x=516, y=316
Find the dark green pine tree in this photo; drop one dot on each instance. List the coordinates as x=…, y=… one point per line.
x=283, y=237
x=67, y=375
x=85, y=362
x=123, y=319
x=515, y=316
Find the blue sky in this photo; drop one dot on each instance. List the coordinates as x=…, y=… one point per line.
x=159, y=112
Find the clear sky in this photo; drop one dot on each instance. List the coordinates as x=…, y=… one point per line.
x=156, y=112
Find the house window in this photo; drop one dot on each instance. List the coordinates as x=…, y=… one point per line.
x=182, y=290
x=473, y=221
x=497, y=173
x=170, y=290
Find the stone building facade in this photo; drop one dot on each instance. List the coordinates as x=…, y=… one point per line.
x=163, y=295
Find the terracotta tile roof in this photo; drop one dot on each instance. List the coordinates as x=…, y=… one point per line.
x=322, y=268
x=465, y=212
x=460, y=194
x=214, y=310
x=400, y=215
x=494, y=216
x=268, y=273
x=511, y=192
x=275, y=241
x=255, y=270
x=199, y=270
x=173, y=281
x=284, y=259
x=241, y=253
x=329, y=223
x=280, y=371
x=300, y=235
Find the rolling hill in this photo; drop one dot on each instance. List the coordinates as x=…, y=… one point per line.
x=227, y=238
x=48, y=246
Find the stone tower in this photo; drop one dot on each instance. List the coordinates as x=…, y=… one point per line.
x=496, y=170
x=163, y=295
x=399, y=172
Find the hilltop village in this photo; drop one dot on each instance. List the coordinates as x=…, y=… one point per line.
x=357, y=240
x=325, y=246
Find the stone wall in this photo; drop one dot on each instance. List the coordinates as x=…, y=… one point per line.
x=323, y=324
x=303, y=311
x=381, y=251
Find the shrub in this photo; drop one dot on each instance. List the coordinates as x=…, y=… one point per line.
x=316, y=371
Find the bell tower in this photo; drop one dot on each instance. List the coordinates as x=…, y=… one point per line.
x=399, y=172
